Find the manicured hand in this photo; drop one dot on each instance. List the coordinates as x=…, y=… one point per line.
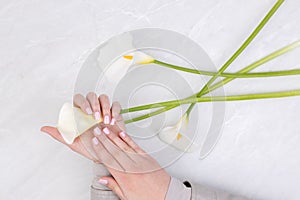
x=99, y=107
x=135, y=174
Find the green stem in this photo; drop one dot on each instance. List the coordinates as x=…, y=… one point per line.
x=231, y=75
x=215, y=98
x=227, y=80
x=223, y=68
x=241, y=49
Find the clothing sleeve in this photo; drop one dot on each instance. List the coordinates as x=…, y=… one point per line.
x=179, y=190
x=99, y=191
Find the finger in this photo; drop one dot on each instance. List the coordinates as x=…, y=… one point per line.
x=94, y=102
x=53, y=132
x=111, y=183
x=81, y=102
x=126, y=138
x=107, y=159
x=75, y=146
x=116, y=110
x=110, y=133
x=119, y=155
x=116, y=114
x=105, y=106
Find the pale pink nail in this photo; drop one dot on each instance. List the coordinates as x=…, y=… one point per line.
x=97, y=115
x=112, y=121
x=95, y=141
x=103, y=181
x=97, y=131
x=89, y=111
x=106, y=131
x=106, y=119
x=122, y=134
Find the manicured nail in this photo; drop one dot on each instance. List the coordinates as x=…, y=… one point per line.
x=122, y=134
x=106, y=119
x=89, y=111
x=97, y=131
x=103, y=181
x=112, y=121
x=106, y=131
x=95, y=141
x=97, y=115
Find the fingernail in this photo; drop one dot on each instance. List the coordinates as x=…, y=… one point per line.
x=97, y=115
x=97, y=131
x=122, y=134
x=112, y=121
x=106, y=131
x=106, y=119
x=89, y=111
x=95, y=141
x=103, y=181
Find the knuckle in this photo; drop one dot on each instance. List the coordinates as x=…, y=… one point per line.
x=103, y=96
x=117, y=104
x=85, y=104
x=126, y=149
x=105, y=109
x=112, y=137
x=112, y=186
x=91, y=95
x=134, y=146
x=77, y=96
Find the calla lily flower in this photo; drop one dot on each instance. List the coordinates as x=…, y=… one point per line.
x=176, y=135
x=139, y=58
x=121, y=66
x=73, y=122
x=118, y=69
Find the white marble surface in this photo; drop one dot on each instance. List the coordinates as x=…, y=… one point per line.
x=258, y=154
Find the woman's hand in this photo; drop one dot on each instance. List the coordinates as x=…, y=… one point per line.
x=136, y=175
x=100, y=108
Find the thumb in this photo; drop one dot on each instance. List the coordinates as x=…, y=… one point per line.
x=112, y=184
x=53, y=132
x=76, y=146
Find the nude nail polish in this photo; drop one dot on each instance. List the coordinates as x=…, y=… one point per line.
x=122, y=134
x=97, y=131
x=106, y=119
x=89, y=111
x=113, y=121
x=106, y=131
x=103, y=181
x=97, y=115
x=95, y=141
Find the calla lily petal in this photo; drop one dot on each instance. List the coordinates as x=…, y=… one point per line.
x=139, y=58
x=176, y=136
x=118, y=69
x=73, y=122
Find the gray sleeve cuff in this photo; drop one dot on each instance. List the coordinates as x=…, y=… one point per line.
x=206, y=193
x=99, y=191
x=97, y=194
x=178, y=191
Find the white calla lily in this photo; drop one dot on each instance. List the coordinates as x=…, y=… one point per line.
x=139, y=58
x=73, y=122
x=118, y=69
x=176, y=135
